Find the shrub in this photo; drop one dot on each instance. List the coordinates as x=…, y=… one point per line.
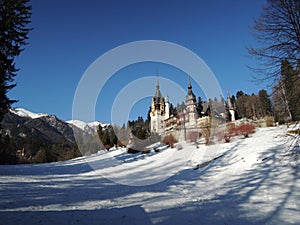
x=193, y=136
x=294, y=131
x=206, y=133
x=269, y=121
x=246, y=129
x=169, y=140
x=227, y=137
x=233, y=131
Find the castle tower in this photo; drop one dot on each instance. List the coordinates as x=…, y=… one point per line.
x=167, y=107
x=157, y=114
x=190, y=102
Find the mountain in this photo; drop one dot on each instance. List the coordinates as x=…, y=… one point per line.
x=25, y=113
x=45, y=128
x=87, y=128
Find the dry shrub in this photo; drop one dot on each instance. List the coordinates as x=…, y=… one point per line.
x=193, y=136
x=294, y=131
x=233, y=131
x=269, y=121
x=169, y=140
x=245, y=129
x=107, y=147
x=122, y=143
x=206, y=133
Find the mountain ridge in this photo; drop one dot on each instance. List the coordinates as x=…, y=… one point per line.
x=47, y=128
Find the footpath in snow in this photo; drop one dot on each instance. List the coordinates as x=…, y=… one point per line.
x=248, y=181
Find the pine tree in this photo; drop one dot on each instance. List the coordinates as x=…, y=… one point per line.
x=14, y=18
x=199, y=106
x=265, y=103
x=241, y=99
x=288, y=90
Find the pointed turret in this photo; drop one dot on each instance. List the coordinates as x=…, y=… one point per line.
x=157, y=114
x=157, y=93
x=190, y=94
x=190, y=102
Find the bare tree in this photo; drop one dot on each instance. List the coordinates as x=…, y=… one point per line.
x=277, y=31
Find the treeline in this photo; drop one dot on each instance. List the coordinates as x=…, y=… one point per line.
x=120, y=136
x=254, y=106
x=22, y=150
x=283, y=103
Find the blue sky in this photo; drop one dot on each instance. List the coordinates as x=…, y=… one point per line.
x=68, y=36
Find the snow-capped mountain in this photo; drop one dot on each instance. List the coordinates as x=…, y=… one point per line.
x=46, y=128
x=85, y=127
x=25, y=113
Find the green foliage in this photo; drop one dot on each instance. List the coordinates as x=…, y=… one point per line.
x=107, y=137
x=199, y=106
x=291, y=81
x=35, y=151
x=173, y=110
x=286, y=94
x=139, y=128
x=7, y=150
x=265, y=103
x=14, y=18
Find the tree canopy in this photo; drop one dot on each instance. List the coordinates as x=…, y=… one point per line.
x=14, y=19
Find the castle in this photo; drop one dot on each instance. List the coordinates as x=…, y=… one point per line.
x=187, y=118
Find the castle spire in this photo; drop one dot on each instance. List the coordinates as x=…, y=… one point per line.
x=190, y=91
x=189, y=81
x=157, y=93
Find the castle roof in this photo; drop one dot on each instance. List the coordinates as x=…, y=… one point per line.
x=190, y=94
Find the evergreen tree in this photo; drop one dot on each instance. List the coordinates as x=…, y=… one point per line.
x=240, y=104
x=265, y=103
x=14, y=18
x=173, y=110
x=199, y=106
x=290, y=82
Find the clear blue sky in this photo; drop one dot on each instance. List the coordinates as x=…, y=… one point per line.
x=68, y=36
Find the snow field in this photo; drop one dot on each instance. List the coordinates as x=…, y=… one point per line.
x=246, y=181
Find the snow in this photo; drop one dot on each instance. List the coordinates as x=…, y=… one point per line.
x=25, y=113
x=247, y=181
x=90, y=128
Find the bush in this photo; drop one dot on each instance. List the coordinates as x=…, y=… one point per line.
x=206, y=133
x=193, y=136
x=246, y=129
x=169, y=140
x=269, y=121
x=294, y=131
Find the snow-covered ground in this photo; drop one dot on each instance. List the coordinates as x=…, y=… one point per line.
x=247, y=181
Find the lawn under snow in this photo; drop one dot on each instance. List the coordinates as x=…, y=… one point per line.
x=247, y=181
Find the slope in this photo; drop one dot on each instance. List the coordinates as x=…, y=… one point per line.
x=248, y=181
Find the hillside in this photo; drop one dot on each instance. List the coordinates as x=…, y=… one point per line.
x=247, y=181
